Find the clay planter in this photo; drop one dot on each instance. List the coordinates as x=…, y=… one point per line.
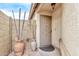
x=19, y=47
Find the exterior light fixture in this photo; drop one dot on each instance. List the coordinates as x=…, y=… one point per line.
x=53, y=5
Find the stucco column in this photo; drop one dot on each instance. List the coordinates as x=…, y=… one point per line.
x=38, y=30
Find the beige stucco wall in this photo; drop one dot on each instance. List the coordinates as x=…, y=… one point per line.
x=56, y=27
x=37, y=19
x=70, y=27
x=5, y=41
x=65, y=26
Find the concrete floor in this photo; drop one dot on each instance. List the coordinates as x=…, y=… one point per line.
x=40, y=52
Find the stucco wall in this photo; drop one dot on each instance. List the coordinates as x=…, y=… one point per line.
x=5, y=41
x=56, y=27
x=70, y=27
x=37, y=19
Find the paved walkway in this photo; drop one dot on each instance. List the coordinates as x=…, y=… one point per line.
x=40, y=52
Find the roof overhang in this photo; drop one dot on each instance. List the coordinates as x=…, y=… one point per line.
x=33, y=9
x=43, y=9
